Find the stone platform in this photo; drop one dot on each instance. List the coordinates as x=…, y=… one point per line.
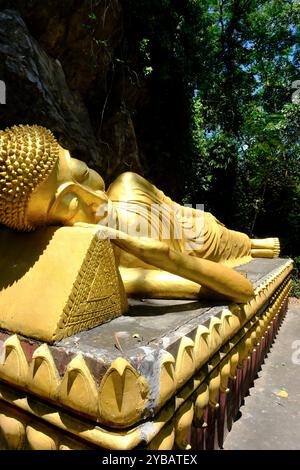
x=169, y=374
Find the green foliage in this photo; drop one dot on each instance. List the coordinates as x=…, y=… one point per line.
x=92, y=16
x=220, y=120
x=296, y=278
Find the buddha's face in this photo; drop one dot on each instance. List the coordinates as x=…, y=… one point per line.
x=72, y=193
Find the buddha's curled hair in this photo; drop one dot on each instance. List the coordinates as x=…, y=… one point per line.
x=27, y=157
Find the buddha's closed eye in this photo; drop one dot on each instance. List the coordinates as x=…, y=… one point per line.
x=81, y=177
x=80, y=170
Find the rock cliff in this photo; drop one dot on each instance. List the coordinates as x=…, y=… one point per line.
x=63, y=68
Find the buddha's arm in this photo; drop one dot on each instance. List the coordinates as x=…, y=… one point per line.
x=213, y=276
x=209, y=274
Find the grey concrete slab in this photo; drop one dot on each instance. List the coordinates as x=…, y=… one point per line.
x=150, y=320
x=150, y=327
x=270, y=417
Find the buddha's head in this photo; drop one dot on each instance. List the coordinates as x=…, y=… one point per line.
x=40, y=184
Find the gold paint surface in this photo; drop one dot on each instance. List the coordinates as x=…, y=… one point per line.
x=174, y=421
x=42, y=185
x=57, y=281
x=123, y=395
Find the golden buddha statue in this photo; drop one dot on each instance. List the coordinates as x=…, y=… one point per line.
x=41, y=185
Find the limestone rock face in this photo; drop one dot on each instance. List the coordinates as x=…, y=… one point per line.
x=60, y=63
x=37, y=91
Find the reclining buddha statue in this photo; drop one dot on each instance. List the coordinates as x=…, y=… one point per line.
x=42, y=186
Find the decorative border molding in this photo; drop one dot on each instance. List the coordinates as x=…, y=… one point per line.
x=240, y=339
x=78, y=390
x=20, y=431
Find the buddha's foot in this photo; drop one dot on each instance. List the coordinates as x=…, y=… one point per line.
x=265, y=248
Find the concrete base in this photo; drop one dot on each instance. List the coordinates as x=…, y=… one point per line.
x=168, y=375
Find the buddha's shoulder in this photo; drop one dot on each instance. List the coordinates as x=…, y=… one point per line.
x=128, y=183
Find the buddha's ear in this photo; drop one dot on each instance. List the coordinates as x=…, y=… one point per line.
x=84, y=194
x=65, y=207
x=70, y=202
x=72, y=199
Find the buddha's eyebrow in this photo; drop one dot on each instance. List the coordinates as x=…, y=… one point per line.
x=84, y=172
x=81, y=170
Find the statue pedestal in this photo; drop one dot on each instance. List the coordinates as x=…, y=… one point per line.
x=57, y=281
x=167, y=374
